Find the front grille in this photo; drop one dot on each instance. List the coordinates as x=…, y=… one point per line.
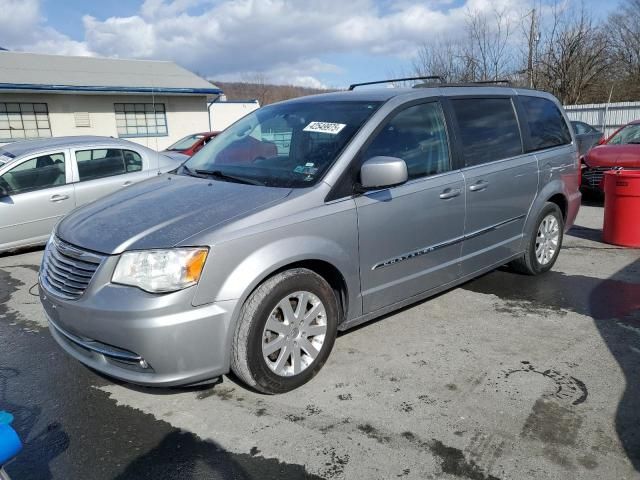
x=66, y=270
x=593, y=176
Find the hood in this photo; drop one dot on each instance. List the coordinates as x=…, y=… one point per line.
x=162, y=212
x=176, y=155
x=614, y=156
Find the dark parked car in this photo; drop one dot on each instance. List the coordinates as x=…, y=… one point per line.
x=586, y=136
x=620, y=150
x=192, y=143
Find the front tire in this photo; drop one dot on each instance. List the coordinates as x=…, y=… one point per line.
x=285, y=333
x=545, y=242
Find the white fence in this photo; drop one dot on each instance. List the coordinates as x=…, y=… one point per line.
x=606, y=119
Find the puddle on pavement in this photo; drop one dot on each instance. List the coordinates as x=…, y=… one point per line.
x=559, y=292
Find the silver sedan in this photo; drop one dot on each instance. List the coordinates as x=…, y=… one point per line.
x=43, y=180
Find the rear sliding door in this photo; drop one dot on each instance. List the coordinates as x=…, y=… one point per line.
x=501, y=180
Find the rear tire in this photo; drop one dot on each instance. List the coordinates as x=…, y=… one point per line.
x=285, y=333
x=545, y=243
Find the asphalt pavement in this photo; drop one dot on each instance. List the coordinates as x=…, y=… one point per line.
x=505, y=377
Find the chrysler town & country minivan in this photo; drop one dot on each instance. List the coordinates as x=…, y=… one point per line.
x=370, y=200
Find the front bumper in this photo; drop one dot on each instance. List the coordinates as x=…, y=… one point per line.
x=146, y=339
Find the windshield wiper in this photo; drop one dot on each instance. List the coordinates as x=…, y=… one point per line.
x=230, y=178
x=190, y=172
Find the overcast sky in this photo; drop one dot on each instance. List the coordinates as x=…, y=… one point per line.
x=304, y=42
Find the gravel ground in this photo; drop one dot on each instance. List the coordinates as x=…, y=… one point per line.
x=505, y=377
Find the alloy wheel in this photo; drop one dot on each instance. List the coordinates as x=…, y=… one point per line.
x=294, y=333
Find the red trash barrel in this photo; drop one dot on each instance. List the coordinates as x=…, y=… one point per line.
x=622, y=208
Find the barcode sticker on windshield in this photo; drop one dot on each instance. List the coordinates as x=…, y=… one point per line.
x=325, y=127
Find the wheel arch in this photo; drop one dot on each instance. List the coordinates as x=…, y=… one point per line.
x=562, y=202
x=327, y=258
x=326, y=270
x=552, y=192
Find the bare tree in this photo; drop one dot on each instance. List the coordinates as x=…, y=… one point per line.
x=623, y=31
x=482, y=52
x=264, y=92
x=573, y=55
x=258, y=87
x=489, y=37
x=444, y=57
x=558, y=48
x=624, y=35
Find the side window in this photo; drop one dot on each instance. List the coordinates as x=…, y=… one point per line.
x=488, y=129
x=36, y=173
x=546, y=124
x=579, y=128
x=104, y=162
x=417, y=135
x=132, y=161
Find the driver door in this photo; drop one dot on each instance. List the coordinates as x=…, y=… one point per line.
x=40, y=194
x=410, y=236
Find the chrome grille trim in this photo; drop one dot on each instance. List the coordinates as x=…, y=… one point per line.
x=593, y=176
x=66, y=270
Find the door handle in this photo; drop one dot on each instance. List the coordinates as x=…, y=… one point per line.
x=479, y=186
x=449, y=193
x=58, y=198
x=127, y=183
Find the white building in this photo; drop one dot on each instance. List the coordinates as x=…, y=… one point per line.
x=149, y=102
x=223, y=113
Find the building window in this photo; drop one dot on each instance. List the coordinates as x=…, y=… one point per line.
x=24, y=120
x=141, y=119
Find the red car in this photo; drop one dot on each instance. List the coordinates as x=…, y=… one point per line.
x=191, y=143
x=620, y=150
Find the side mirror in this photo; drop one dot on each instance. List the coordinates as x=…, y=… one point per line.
x=382, y=172
x=3, y=191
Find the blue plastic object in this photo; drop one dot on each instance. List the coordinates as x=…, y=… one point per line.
x=10, y=443
x=5, y=418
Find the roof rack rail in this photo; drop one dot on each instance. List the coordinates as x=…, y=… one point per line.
x=431, y=77
x=490, y=82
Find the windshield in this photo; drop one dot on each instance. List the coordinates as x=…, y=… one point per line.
x=283, y=145
x=185, y=143
x=628, y=134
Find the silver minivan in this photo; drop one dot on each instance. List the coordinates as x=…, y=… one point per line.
x=304, y=218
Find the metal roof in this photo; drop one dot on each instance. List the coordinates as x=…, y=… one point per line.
x=21, y=71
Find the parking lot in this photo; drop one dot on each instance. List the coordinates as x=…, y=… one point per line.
x=505, y=377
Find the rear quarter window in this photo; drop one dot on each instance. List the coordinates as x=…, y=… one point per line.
x=488, y=128
x=547, y=127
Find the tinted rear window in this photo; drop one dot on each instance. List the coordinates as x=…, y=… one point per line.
x=546, y=124
x=488, y=129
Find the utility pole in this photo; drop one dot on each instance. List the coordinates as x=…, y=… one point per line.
x=532, y=43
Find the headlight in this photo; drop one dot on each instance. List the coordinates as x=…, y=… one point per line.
x=159, y=271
